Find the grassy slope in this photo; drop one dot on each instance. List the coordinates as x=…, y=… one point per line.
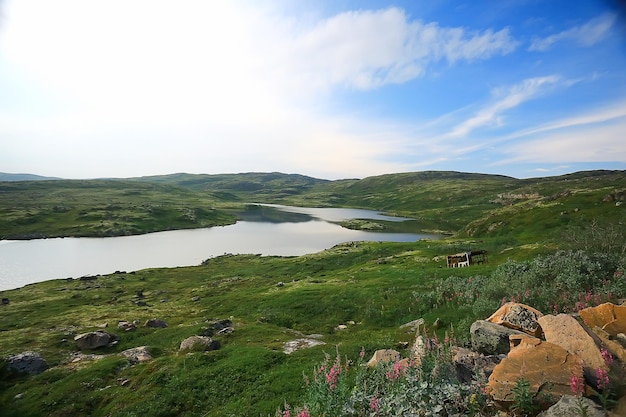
x=101, y=208
x=372, y=284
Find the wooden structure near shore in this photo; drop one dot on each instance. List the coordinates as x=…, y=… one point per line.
x=473, y=257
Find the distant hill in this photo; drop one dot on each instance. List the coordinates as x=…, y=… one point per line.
x=5, y=176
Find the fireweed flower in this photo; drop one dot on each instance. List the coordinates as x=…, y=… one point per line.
x=603, y=378
x=577, y=384
x=374, y=404
x=304, y=413
x=606, y=355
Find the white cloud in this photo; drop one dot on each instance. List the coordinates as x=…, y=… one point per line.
x=506, y=99
x=585, y=35
x=368, y=49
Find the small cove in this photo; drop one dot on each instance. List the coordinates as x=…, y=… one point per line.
x=264, y=229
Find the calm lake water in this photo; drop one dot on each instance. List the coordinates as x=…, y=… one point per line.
x=266, y=230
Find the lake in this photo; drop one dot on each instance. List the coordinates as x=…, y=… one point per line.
x=264, y=229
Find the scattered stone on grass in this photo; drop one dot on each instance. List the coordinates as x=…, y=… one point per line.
x=383, y=356
x=490, y=338
x=155, y=323
x=27, y=362
x=94, y=340
x=136, y=355
x=199, y=343
x=298, y=344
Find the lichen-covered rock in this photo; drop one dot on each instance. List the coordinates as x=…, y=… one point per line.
x=609, y=317
x=94, y=340
x=469, y=365
x=155, y=323
x=518, y=316
x=565, y=331
x=569, y=405
x=27, y=362
x=547, y=367
x=303, y=343
x=490, y=338
x=198, y=343
x=136, y=355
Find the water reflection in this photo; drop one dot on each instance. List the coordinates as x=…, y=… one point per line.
x=265, y=230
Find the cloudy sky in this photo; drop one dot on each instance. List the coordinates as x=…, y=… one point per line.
x=331, y=89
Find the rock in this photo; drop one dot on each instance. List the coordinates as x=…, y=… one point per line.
x=341, y=327
x=469, y=364
x=5, y=301
x=609, y=317
x=27, y=362
x=621, y=338
x=94, y=340
x=217, y=327
x=155, y=323
x=620, y=408
x=546, y=366
x=565, y=331
x=293, y=345
x=195, y=298
x=383, y=356
x=569, y=405
x=199, y=343
x=280, y=284
x=126, y=326
x=420, y=348
x=490, y=338
x=414, y=325
x=437, y=323
x=518, y=316
x=136, y=355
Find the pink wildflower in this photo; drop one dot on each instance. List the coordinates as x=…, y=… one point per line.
x=374, y=404
x=332, y=376
x=362, y=353
x=577, y=384
x=304, y=413
x=287, y=413
x=603, y=378
x=606, y=355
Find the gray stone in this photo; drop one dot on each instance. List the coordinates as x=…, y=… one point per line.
x=27, y=362
x=199, y=343
x=156, y=323
x=94, y=340
x=304, y=343
x=491, y=339
x=569, y=405
x=136, y=355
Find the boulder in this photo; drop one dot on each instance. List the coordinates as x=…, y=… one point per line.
x=155, y=323
x=94, y=340
x=27, y=362
x=217, y=327
x=546, y=366
x=126, y=326
x=518, y=316
x=569, y=405
x=609, y=317
x=490, y=338
x=414, y=325
x=136, y=355
x=565, y=331
x=297, y=344
x=469, y=364
x=383, y=356
x=199, y=343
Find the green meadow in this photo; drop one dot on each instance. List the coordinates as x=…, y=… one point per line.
x=545, y=237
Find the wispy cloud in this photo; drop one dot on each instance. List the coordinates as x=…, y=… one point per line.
x=368, y=49
x=506, y=99
x=585, y=35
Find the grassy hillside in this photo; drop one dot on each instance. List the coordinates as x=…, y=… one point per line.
x=30, y=209
x=372, y=288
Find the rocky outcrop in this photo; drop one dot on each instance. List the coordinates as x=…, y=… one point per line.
x=547, y=367
x=27, y=362
x=95, y=340
x=469, y=364
x=565, y=331
x=518, y=316
x=609, y=317
x=490, y=338
x=199, y=343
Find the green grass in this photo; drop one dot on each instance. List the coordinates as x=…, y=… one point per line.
x=378, y=286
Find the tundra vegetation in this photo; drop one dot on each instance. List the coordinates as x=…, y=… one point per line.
x=555, y=243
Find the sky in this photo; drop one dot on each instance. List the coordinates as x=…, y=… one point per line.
x=330, y=89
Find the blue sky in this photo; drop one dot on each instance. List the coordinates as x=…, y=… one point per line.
x=330, y=89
